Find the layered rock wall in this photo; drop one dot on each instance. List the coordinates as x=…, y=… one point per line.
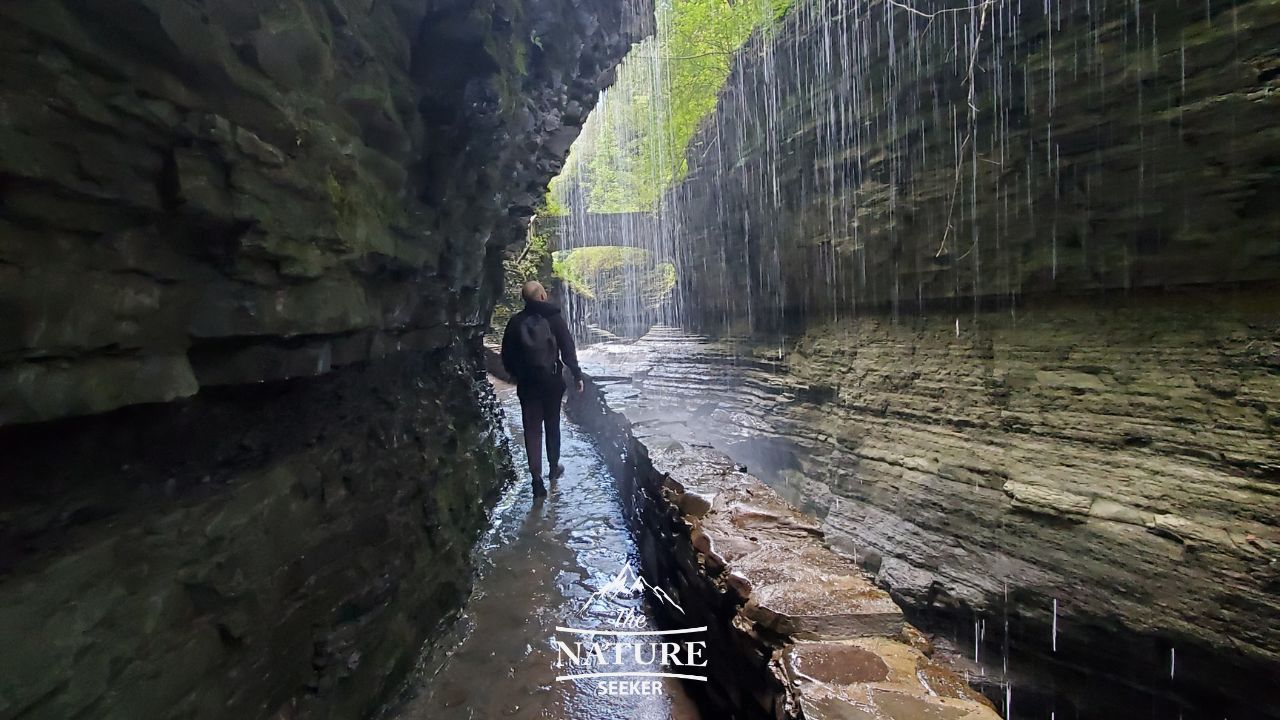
x=255, y=552
x=1087, y=490
x=202, y=193
x=1111, y=472
x=247, y=251
x=866, y=155
x=1024, y=259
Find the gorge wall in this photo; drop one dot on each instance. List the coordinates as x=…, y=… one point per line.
x=247, y=253
x=872, y=158
x=1111, y=471
x=1024, y=258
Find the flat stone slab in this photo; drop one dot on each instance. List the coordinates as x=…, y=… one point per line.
x=878, y=679
x=848, y=651
x=799, y=587
x=837, y=608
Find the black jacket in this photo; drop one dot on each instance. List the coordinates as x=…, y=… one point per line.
x=512, y=353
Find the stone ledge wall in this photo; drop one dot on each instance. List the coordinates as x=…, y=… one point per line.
x=211, y=192
x=247, y=253
x=793, y=630
x=251, y=553
x=1111, y=146
x=1121, y=461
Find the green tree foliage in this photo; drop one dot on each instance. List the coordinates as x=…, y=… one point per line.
x=703, y=38
x=616, y=274
x=533, y=263
x=633, y=146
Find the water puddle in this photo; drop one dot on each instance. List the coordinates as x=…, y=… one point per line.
x=545, y=564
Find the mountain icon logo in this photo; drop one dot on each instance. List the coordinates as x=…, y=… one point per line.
x=629, y=584
x=625, y=654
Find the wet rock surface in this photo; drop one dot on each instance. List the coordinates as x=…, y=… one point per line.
x=208, y=193
x=1010, y=332
x=874, y=678
x=1076, y=469
x=244, y=554
x=541, y=564
x=855, y=163
x=247, y=253
x=778, y=603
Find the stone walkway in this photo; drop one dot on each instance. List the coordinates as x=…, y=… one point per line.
x=537, y=566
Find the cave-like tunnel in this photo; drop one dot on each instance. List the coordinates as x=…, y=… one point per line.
x=898, y=360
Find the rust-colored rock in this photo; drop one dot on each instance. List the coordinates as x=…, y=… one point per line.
x=882, y=678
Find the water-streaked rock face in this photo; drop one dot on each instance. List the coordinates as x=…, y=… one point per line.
x=855, y=161
x=247, y=252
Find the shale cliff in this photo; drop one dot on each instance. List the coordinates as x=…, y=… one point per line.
x=1024, y=259
x=1111, y=472
x=864, y=156
x=247, y=251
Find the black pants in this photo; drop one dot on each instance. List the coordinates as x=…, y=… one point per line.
x=540, y=408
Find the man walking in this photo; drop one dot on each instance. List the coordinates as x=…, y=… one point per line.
x=536, y=347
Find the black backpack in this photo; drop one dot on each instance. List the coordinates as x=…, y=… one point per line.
x=538, y=347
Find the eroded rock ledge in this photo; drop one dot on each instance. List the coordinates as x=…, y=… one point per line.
x=794, y=630
x=217, y=192
x=252, y=553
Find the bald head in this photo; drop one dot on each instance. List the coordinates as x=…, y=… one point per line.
x=533, y=290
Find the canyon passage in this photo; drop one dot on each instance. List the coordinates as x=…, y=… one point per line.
x=932, y=355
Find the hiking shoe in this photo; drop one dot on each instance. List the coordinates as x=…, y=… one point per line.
x=539, y=490
x=557, y=472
